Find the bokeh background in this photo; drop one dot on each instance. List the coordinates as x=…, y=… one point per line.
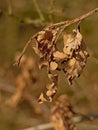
x=19, y=20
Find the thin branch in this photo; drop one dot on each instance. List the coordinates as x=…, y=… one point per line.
x=9, y=3
x=22, y=53
x=70, y=22
x=82, y=17
x=29, y=21
x=38, y=10
x=51, y=10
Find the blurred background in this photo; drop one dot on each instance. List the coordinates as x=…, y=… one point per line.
x=19, y=20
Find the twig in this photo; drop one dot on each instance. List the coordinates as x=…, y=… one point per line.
x=22, y=53
x=26, y=20
x=51, y=10
x=38, y=10
x=9, y=3
x=70, y=22
x=82, y=17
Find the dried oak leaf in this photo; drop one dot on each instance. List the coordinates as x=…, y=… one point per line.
x=76, y=50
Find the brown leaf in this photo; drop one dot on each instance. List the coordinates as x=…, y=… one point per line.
x=76, y=50
x=44, y=41
x=53, y=66
x=49, y=94
x=59, y=55
x=72, y=42
x=42, y=98
x=51, y=89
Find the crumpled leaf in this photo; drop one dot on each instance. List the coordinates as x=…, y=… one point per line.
x=42, y=98
x=48, y=96
x=53, y=65
x=51, y=89
x=45, y=41
x=59, y=55
x=75, y=48
x=72, y=42
x=44, y=47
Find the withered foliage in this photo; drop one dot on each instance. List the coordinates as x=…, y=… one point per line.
x=45, y=46
x=51, y=89
x=71, y=60
x=62, y=112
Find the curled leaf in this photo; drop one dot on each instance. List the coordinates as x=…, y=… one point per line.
x=72, y=42
x=59, y=55
x=75, y=48
x=42, y=98
x=44, y=42
x=53, y=66
x=51, y=89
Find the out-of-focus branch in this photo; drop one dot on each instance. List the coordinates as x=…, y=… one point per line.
x=38, y=10
x=29, y=21
x=51, y=10
x=76, y=119
x=9, y=4
x=41, y=127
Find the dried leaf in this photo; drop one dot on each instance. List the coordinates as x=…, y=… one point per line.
x=53, y=66
x=48, y=96
x=72, y=42
x=51, y=89
x=42, y=98
x=59, y=55
x=43, y=64
x=44, y=42
x=75, y=49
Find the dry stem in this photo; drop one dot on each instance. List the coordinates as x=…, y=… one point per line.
x=82, y=17
x=22, y=53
